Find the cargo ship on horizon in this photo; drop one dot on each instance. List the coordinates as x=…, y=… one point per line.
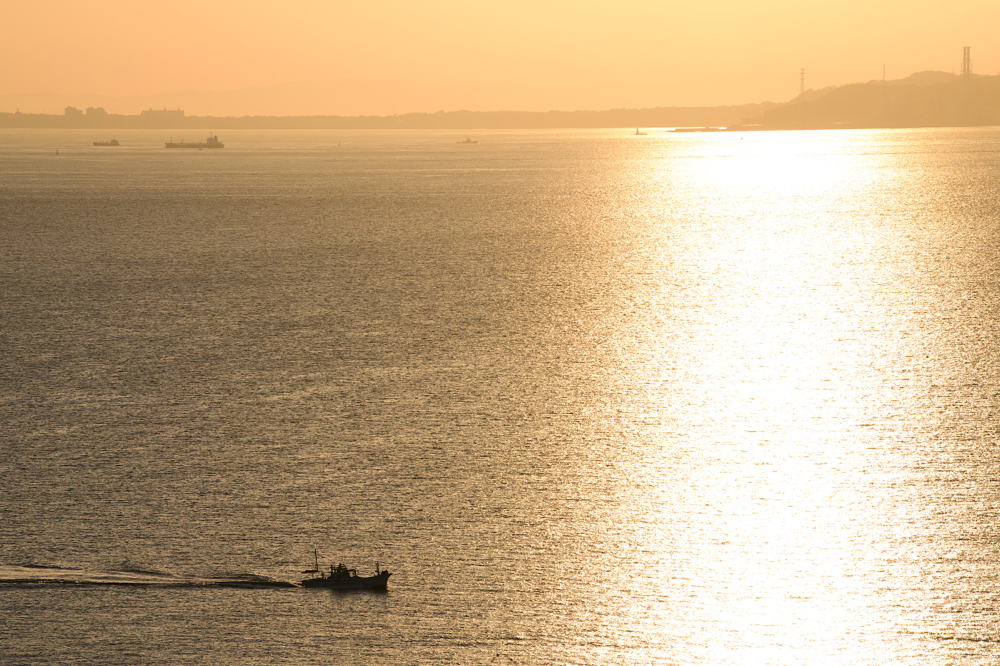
x=211, y=142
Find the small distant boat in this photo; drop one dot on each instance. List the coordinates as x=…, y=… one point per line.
x=210, y=142
x=467, y=140
x=342, y=578
x=699, y=129
x=113, y=142
x=638, y=133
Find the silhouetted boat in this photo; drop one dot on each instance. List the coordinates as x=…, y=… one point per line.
x=467, y=140
x=113, y=142
x=210, y=142
x=342, y=578
x=638, y=133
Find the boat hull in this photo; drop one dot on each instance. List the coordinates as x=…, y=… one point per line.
x=199, y=146
x=378, y=582
x=211, y=142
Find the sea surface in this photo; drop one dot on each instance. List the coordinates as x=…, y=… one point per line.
x=592, y=398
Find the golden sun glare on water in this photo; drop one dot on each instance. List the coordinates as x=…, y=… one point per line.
x=763, y=500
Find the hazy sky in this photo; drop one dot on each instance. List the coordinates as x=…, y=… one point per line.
x=488, y=55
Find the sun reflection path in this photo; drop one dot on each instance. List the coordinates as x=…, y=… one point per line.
x=756, y=502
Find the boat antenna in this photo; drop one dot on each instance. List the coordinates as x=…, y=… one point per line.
x=316, y=555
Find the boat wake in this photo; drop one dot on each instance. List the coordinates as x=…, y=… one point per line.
x=41, y=576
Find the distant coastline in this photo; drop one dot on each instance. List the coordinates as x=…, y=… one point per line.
x=454, y=120
x=925, y=99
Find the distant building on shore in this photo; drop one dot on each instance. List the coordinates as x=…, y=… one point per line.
x=162, y=118
x=164, y=115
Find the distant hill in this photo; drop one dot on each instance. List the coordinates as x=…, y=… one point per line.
x=916, y=79
x=925, y=99
x=923, y=79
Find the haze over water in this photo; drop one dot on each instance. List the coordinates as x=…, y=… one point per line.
x=592, y=398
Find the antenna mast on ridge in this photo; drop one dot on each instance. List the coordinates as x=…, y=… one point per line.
x=966, y=63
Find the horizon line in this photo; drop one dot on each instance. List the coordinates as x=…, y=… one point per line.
x=439, y=111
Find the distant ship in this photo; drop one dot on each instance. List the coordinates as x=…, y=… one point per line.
x=638, y=133
x=113, y=142
x=467, y=140
x=342, y=578
x=699, y=129
x=210, y=142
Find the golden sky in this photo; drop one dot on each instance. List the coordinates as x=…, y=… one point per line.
x=483, y=55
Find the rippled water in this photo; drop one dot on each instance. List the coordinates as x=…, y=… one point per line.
x=592, y=398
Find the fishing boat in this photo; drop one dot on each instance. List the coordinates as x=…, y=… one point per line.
x=113, y=142
x=638, y=133
x=467, y=140
x=342, y=578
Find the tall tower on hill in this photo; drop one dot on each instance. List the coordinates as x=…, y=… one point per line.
x=966, y=63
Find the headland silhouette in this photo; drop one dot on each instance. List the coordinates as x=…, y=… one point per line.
x=924, y=99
